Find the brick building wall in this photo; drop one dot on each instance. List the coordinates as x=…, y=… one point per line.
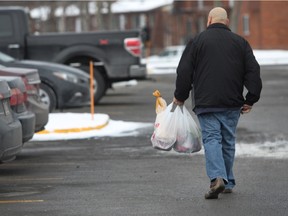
x=268, y=24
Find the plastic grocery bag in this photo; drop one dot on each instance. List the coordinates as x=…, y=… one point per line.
x=175, y=128
x=165, y=129
x=189, y=137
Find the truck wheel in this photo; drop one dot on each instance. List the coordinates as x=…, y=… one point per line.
x=100, y=86
x=47, y=96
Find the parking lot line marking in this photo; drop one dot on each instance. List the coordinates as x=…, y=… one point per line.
x=19, y=201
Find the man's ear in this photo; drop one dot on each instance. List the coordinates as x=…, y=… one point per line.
x=209, y=21
x=227, y=22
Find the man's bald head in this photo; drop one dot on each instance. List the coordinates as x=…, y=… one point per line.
x=218, y=15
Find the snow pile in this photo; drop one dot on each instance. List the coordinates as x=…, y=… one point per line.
x=67, y=126
x=271, y=57
x=125, y=6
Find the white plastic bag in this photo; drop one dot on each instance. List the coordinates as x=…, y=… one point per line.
x=165, y=128
x=175, y=128
x=189, y=138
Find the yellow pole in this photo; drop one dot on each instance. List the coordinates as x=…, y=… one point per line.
x=92, y=90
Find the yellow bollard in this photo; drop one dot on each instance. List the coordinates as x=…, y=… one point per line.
x=92, y=90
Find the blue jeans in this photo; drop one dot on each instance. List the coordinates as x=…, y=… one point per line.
x=219, y=135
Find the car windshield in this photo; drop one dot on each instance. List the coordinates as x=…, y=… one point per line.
x=6, y=58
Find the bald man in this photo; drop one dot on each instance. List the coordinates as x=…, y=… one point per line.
x=217, y=64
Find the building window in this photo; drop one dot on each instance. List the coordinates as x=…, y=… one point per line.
x=142, y=20
x=136, y=21
x=122, y=22
x=246, y=26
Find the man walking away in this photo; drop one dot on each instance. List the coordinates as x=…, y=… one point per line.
x=218, y=64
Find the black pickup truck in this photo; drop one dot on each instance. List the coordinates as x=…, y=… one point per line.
x=116, y=55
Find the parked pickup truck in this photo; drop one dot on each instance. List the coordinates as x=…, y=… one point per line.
x=116, y=55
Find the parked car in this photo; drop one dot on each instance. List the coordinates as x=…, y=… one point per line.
x=61, y=86
x=17, y=102
x=10, y=128
x=34, y=104
x=166, y=61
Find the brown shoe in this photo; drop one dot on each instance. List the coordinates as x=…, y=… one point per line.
x=227, y=190
x=216, y=187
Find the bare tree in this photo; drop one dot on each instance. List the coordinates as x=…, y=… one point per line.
x=110, y=15
x=235, y=13
x=84, y=15
x=104, y=15
x=51, y=23
x=62, y=18
x=99, y=16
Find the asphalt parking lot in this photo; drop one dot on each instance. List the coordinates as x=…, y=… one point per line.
x=125, y=176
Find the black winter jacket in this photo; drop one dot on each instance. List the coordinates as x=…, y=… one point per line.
x=218, y=64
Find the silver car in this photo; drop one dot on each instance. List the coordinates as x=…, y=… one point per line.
x=32, y=82
x=17, y=102
x=10, y=127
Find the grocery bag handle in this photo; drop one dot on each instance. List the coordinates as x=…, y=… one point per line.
x=174, y=106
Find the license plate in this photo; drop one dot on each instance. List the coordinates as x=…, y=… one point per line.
x=6, y=107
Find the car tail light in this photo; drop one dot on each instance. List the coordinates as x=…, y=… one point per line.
x=33, y=78
x=31, y=89
x=25, y=96
x=133, y=46
x=17, y=97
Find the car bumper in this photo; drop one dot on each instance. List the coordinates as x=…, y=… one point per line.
x=123, y=73
x=138, y=71
x=11, y=140
x=41, y=112
x=27, y=120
